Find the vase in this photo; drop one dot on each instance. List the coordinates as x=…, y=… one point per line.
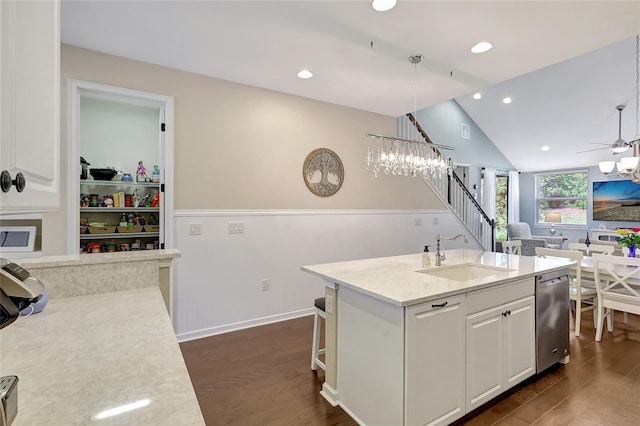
x=632, y=250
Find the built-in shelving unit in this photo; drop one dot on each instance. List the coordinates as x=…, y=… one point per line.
x=112, y=216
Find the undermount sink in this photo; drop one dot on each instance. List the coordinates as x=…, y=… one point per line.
x=465, y=271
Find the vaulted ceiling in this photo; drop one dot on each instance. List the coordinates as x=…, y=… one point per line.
x=359, y=58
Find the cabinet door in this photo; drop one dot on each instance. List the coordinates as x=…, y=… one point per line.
x=29, y=92
x=519, y=331
x=435, y=353
x=484, y=356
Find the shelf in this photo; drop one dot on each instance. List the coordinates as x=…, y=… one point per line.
x=119, y=209
x=119, y=235
x=118, y=183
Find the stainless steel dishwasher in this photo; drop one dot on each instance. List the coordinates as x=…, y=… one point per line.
x=552, y=318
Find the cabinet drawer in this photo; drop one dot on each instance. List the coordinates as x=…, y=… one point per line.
x=484, y=299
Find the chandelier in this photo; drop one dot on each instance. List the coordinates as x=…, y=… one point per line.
x=627, y=167
x=406, y=157
x=397, y=157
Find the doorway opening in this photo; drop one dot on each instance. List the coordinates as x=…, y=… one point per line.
x=96, y=113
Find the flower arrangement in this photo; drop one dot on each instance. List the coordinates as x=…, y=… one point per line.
x=629, y=237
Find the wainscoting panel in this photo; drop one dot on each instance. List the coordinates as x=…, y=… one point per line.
x=217, y=282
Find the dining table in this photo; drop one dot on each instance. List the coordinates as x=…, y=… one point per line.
x=587, y=266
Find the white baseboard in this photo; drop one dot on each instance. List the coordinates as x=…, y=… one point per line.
x=330, y=394
x=227, y=328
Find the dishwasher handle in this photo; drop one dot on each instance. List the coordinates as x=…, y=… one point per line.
x=553, y=281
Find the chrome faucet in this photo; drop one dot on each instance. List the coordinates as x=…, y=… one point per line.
x=440, y=256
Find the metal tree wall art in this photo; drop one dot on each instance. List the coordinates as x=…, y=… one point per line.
x=323, y=172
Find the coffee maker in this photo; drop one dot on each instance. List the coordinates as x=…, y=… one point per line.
x=18, y=290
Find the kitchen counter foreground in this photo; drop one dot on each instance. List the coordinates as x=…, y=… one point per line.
x=85, y=355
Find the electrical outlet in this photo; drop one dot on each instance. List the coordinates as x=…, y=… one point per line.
x=195, y=228
x=417, y=222
x=328, y=304
x=264, y=285
x=435, y=220
x=236, y=227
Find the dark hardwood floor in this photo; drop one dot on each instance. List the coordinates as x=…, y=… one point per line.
x=261, y=376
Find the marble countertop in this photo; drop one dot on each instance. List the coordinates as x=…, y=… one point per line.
x=98, y=258
x=395, y=280
x=84, y=355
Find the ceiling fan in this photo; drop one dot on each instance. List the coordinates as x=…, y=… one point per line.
x=620, y=145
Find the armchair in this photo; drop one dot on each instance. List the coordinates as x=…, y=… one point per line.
x=521, y=231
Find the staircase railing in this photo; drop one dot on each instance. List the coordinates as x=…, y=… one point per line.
x=453, y=193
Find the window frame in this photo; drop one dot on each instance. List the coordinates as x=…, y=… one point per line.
x=537, y=199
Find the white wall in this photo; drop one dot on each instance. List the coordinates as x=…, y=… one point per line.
x=219, y=273
x=119, y=135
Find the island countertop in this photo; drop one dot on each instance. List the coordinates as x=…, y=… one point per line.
x=396, y=280
x=82, y=356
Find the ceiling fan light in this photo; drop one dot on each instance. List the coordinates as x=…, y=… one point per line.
x=383, y=5
x=629, y=163
x=618, y=149
x=606, y=167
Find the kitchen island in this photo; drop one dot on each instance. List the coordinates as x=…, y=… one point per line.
x=103, y=350
x=409, y=345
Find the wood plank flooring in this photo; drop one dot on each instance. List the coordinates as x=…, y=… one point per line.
x=261, y=376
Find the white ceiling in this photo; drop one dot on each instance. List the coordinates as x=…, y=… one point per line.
x=265, y=43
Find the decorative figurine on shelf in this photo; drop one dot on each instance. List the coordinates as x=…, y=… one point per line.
x=141, y=173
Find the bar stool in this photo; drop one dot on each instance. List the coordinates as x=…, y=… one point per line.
x=315, y=346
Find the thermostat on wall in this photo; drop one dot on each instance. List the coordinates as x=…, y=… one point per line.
x=17, y=238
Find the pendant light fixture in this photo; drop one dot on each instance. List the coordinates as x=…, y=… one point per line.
x=408, y=157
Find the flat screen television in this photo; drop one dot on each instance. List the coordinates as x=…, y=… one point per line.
x=616, y=200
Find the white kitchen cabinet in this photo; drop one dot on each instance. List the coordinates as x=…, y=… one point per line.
x=30, y=105
x=435, y=362
x=500, y=349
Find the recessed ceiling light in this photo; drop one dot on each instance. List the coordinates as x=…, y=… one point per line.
x=506, y=100
x=477, y=95
x=545, y=148
x=482, y=47
x=305, y=73
x=383, y=5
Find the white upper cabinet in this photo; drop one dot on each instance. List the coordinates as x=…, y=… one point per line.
x=30, y=105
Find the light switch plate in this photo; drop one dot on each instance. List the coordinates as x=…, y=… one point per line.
x=195, y=228
x=236, y=227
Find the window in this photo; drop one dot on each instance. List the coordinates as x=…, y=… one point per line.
x=563, y=193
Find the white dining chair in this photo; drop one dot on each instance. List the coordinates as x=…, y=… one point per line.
x=618, y=287
x=578, y=292
x=511, y=247
x=592, y=248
